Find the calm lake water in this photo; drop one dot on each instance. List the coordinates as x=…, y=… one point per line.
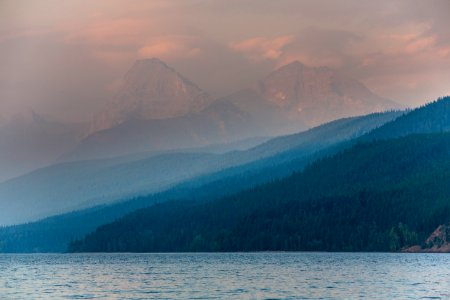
x=226, y=276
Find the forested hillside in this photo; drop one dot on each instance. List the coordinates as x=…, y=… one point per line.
x=65, y=187
x=278, y=157
x=380, y=196
x=429, y=118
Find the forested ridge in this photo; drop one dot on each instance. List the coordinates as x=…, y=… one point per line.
x=285, y=154
x=376, y=196
x=429, y=118
x=53, y=234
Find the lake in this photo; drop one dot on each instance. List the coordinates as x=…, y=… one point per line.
x=225, y=276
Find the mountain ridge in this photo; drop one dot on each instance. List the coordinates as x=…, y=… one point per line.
x=290, y=99
x=357, y=200
x=273, y=165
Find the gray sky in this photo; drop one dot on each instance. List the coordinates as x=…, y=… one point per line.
x=64, y=58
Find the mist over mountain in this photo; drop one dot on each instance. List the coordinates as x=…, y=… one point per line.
x=151, y=90
x=159, y=109
x=282, y=151
x=29, y=141
x=76, y=185
x=156, y=110
x=318, y=95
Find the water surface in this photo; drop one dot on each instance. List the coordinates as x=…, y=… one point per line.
x=225, y=276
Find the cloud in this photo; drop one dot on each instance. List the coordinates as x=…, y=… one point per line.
x=67, y=55
x=313, y=46
x=171, y=47
x=260, y=48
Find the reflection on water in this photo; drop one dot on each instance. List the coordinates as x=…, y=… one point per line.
x=225, y=276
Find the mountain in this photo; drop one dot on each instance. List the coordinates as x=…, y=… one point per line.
x=376, y=196
x=76, y=185
x=296, y=96
x=281, y=156
x=29, y=141
x=151, y=90
x=159, y=109
x=273, y=159
x=218, y=123
x=281, y=162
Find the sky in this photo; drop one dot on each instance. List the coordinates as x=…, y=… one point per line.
x=65, y=58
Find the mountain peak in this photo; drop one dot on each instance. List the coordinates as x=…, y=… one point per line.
x=298, y=67
x=145, y=70
x=318, y=94
x=151, y=60
x=152, y=90
x=296, y=64
x=150, y=63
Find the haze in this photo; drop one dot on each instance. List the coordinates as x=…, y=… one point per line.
x=64, y=58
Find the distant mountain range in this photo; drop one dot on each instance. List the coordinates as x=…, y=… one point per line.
x=159, y=109
x=162, y=133
x=29, y=141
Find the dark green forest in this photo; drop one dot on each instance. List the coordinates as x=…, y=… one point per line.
x=376, y=196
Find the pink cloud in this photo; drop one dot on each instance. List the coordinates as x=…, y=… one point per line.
x=171, y=47
x=260, y=48
x=420, y=44
x=121, y=31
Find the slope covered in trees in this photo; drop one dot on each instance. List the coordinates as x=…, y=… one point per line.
x=430, y=118
x=377, y=196
x=77, y=185
x=278, y=157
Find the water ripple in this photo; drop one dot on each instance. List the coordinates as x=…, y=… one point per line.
x=225, y=276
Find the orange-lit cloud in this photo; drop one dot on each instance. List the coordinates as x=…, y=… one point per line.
x=314, y=47
x=259, y=48
x=173, y=47
x=110, y=32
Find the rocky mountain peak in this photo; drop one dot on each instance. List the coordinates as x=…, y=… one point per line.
x=143, y=69
x=318, y=94
x=152, y=90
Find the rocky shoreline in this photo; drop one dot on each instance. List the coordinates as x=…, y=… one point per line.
x=437, y=242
